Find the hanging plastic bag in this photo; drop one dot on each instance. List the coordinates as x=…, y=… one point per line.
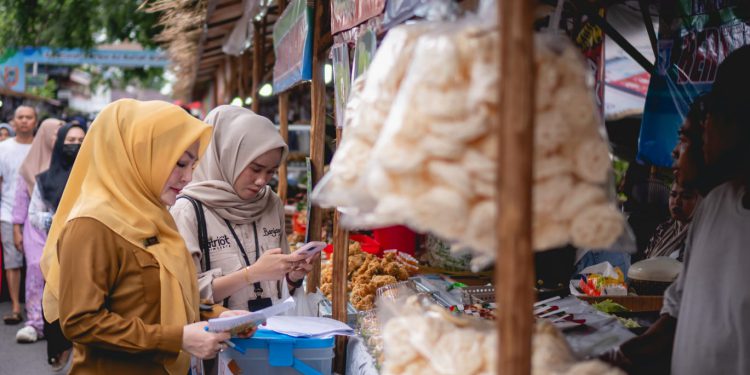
x=369, y=103
x=574, y=198
x=305, y=304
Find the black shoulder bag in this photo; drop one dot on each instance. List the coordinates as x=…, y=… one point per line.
x=202, y=230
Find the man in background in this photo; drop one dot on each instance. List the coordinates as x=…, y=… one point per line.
x=12, y=153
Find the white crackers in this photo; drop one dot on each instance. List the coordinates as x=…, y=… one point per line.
x=418, y=150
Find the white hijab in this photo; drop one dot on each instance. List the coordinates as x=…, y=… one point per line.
x=240, y=136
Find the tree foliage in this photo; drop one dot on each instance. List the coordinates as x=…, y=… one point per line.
x=81, y=24
x=75, y=23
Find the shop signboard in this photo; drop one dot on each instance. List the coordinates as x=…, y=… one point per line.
x=346, y=14
x=38, y=80
x=13, y=62
x=694, y=38
x=292, y=43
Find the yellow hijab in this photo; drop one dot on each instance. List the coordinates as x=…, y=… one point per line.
x=117, y=179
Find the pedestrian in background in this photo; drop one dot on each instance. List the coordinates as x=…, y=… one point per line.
x=12, y=154
x=6, y=131
x=25, y=236
x=44, y=201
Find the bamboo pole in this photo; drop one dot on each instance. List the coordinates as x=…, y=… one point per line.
x=257, y=65
x=515, y=261
x=340, y=273
x=284, y=130
x=283, y=127
x=322, y=22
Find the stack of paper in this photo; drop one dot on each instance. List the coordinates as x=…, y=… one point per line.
x=307, y=326
x=251, y=319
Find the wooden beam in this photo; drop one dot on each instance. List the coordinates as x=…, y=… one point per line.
x=226, y=13
x=213, y=60
x=257, y=67
x=213, y=44
x=205, y=71
x=514, y=263
x=218, y=31
x=213, y=52
x=340, y=273
x=284, y=130
x=322, y=25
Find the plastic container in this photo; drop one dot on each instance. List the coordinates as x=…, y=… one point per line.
x=273, y=353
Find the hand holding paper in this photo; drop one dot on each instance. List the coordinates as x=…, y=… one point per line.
x=241, y=324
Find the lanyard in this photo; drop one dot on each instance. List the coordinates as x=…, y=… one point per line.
x=258, y=288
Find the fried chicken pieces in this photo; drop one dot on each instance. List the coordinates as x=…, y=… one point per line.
x=367, y=273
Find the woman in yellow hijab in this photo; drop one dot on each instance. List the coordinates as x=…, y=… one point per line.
x=118, y=274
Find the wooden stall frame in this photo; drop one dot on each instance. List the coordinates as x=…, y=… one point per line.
x=340, y=282
x=514, y=264
x=321, y=27
x=283, y=126
x=284, y=130
x=258, y=59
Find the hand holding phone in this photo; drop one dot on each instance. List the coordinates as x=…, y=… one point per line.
x=310, y=249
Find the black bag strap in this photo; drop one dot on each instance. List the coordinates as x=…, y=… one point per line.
x=257, y=255
x=258, y=289
x=200, y=218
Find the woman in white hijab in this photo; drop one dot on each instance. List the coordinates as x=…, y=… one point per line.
x=231, y=220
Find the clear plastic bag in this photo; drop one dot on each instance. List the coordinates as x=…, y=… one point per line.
x=421, y=338
x=426, y=157
x=574, y=195
x=368, y=106
x=432, y=167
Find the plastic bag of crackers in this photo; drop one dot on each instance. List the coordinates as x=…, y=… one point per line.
x=421, y=338
x=431, y=162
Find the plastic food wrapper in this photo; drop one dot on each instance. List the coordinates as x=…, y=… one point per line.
x=424, y=155
x=600, y=280
x=421, y=338
x=306, y=304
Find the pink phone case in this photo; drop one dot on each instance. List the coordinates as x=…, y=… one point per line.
x=312, y=248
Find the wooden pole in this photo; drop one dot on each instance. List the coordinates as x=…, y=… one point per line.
x=257, y=65
x=284, y=130
x=514, y=266
x=340, y=273
x=283, y=127
x=322, y=25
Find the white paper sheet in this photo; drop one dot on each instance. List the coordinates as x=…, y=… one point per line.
x=307, y=326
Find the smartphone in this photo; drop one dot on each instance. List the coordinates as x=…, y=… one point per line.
x=311, y=248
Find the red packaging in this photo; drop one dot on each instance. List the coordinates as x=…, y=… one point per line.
x=397, y=237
